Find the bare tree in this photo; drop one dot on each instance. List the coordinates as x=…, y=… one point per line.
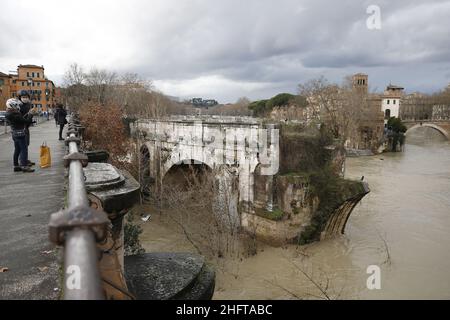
x=340, y=108
x=134, y=95
x=204, y=206
x=101, y=82
x=243, y=102
x=75, y=91
x=74, y=75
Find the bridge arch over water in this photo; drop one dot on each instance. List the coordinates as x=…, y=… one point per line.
x=436, y=127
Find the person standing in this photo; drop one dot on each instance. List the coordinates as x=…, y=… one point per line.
x=18, y=131
x=60, y=118
x=27, y=111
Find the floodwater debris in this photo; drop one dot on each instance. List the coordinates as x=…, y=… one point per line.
x=3, y=269
x=42, y=269
x=146, y=218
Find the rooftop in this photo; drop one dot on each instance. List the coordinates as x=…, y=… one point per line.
x=394, y=87
x=30, y=66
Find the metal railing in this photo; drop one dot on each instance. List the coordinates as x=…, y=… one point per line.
x=78, y=228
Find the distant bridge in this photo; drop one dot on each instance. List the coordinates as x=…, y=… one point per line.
x=442, y=126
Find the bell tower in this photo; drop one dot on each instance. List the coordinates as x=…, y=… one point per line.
x=360, y=82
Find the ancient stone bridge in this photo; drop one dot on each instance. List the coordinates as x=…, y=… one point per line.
x=442, y=126
x=244, y=155
x=234, y=146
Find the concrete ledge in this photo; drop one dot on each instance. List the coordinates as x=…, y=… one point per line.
x=169, y=276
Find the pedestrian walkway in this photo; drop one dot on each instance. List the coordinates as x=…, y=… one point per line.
x=26, y=202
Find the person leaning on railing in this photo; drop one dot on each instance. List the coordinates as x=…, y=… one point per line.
x=18, y=125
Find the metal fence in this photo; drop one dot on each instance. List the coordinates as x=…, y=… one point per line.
x=78, y=228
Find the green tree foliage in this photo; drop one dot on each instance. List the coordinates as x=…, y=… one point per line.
x=281, y=99
x=263, y=107
x=396, y=125
x=258, y=107
x=397, y=134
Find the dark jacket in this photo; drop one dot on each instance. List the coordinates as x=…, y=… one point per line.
x=60, y=116
x=17, y=121
x=24, y=109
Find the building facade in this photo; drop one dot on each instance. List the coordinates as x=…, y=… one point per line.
x=31, y=78
x=5, y=89
x=416, y=106
x=390, y=103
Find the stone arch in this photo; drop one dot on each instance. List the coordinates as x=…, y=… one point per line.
x=217, y=185
x=167, y=165
x=430, y=125
x=184, y=165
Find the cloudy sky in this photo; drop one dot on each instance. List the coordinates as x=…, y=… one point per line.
x=231, y=48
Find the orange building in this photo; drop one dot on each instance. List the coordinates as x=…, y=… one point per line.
x=32, y=79
x=5, y=89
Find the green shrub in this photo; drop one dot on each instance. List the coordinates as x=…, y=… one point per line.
x=332, y=191
x=396, y=125
x=275, y=215
x=131, y=237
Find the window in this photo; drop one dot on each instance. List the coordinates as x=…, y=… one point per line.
x=393, y=101
x=39, y=84
x=38, y=74
x=32, y=74
x=2, y=82
x=46, y=84
x=23, y=83
x=388, y=101
x=14, y=81
x=28, y=74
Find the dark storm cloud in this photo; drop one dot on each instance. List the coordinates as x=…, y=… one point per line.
x=250, y=47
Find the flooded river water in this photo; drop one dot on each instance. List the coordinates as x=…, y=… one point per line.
x=402, y=226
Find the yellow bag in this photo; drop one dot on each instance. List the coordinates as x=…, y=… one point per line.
x=45, y=158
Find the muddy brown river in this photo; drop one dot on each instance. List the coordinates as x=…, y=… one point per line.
x=402, y=226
